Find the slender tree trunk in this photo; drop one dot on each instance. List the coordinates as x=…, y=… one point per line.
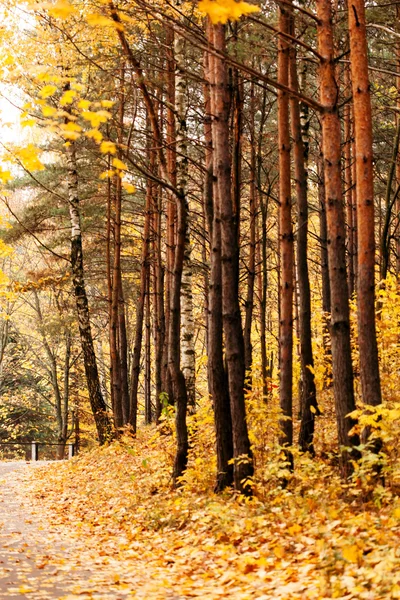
x=389, y=202
x=308, y=400
x=397, y=205
x=217, y=377
x=65, y=394
x=233, y=333
x=188, y=359
x=140, y=306
x=369, y=365
x=171, y=206
x=123, y=352
x=99, y=409
x=159, y=316
x=348, y=184
x=147, y=356
x=115, y=358
x=251, y=264
x=285, y=242
x=323, y=236
x=340, y=318
x=179, y=388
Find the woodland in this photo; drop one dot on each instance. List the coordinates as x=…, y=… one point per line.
x=199, y=286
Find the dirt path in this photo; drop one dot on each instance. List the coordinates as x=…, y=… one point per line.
x=34, y=555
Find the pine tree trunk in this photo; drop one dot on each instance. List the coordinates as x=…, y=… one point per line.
x=348, y=183
x=140, y=306
x=98, y=406
x=123, y=352
x=340, y=318
x=147, y=357
x=323, y=236
x=285, y=242
x=251, y=263
x=233, y=334
x=308, y=400
x=159, y=316
x=170, y=139
x=397, y=205
x=217, y=377
x=115, y=358
x=369, y=365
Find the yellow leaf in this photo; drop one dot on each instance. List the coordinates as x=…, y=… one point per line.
x=118, y=164
x=47, y=90
x=96, y=118
x=67, y=97
x=29, y=158
x=294, y=529
x=128, y=187
x=71, y=135
x=108, y=148
x=107, y=174
x=48, y=111
x=397, y=513
x=221, y=11
x=95, y=134
x=98, y=20
x=279, y=551
x=313, y=409
x=71, y=126
x=5, y=175
x=84, y=104
x=60, y=10
x=351, y=553
x=28, y=122
x=107, y=103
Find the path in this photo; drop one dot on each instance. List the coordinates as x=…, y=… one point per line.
x=34, y=555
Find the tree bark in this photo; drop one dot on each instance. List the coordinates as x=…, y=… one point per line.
x=308, y=400
x=251, y=263
x=369, y=364
x=340, y=318
x=285, y=243
x=140, y=306
x=217, y=376
x=98, y=406
x=233, y=333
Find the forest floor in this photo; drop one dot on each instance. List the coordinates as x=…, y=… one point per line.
x=108, y=525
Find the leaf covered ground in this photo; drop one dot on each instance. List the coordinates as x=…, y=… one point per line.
x=315, y=539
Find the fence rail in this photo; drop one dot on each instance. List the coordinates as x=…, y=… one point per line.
x=34, y=446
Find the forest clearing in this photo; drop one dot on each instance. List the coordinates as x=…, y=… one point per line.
x=199, y=289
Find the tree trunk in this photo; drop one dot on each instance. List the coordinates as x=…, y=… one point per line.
x=251, y=263
x=159, y=316
x=234, y=343
x=369, y=365
x=115, y=358
x=180, y=393
x=188, y=359
x=140, y=306
x=148, y=417
x=340, y=319
x=98, y=406
x=285, y=243
x=308, y=400
x=217, y=377
x=348, y=183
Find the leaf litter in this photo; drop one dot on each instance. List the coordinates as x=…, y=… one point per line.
x=118, y=517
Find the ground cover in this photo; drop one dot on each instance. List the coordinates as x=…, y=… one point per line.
x=315, y=539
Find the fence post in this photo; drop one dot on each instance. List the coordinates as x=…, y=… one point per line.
x=35, y=451
x=71, y=450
